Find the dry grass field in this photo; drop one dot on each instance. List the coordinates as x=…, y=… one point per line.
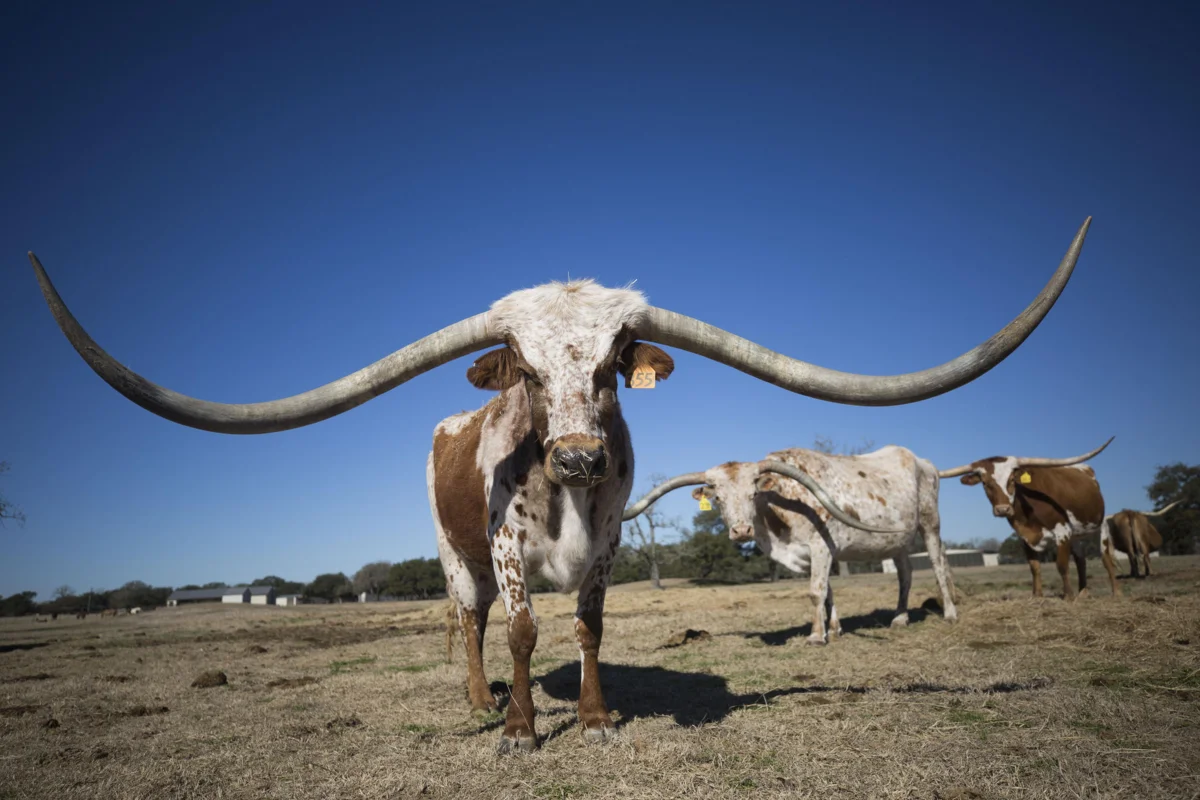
x=1022, y=698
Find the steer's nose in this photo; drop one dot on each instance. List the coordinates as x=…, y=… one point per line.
x=1002, y=510
x=576, y=460
x=742, y=533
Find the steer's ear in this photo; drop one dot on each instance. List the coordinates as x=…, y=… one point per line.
x=697, y=492
x=495, y=370
x=970, y=479
x=766, y=483
x=640, y=354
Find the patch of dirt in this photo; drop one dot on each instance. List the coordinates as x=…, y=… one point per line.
x=17, y=711
x=207, y=680
x=339, y=723
x=116, y=678
x=291, y=683
x=41, y=676
x=687, y=637
x=50, y=723
x=257, y=649
x=146, y=711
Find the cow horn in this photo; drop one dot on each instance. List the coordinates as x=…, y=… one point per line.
x=678, y=482
x=1062, y=462
x=686, y=333
x=954, y=473
x=459, y=339
x=788, y=471
x=1162, y=510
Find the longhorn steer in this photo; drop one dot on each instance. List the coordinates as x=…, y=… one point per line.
x=537, y=478
x=1049, y=502
x=876, y=505
x=1132, y=533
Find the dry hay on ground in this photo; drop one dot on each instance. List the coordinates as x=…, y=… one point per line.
x=1023, y=698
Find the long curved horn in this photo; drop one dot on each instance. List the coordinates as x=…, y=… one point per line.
x=459, y=339
x=1162, y=510
x=686, y=333
x=954, y=473
x=678, y=482
x=787, y=470
x=1062, y=462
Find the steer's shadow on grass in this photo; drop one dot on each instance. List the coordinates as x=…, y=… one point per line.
x=691, y=699
x=879, y=618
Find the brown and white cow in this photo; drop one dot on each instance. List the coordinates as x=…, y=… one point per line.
x=789, y=504
x=1049, y=502
x=537, y=479
x=1132, y=533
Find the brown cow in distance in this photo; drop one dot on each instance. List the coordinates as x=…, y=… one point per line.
x=1048, y=502
x=1132, y=533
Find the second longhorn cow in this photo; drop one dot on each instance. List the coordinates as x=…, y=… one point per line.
x=806, y=509
x=1131, y=532
x=1050, y=503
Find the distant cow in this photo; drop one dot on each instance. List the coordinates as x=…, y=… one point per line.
x=137, y=610
x=80, y=615
x=108, y=612
x=1132, y=533
x=780, y=504
x=1048, y=502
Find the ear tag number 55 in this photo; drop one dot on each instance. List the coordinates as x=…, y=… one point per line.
x=642, y=378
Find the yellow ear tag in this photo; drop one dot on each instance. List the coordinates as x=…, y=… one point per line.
x=1025, y=478
x=705, y=504
x=642, y=378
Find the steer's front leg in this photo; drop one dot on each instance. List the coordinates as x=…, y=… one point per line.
x=589, y=629
x=519, y=734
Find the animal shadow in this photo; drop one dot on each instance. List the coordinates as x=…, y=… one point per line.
x=8, y=648
x=879, y=618
x=691, y=698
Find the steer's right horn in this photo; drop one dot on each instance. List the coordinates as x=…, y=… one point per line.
x=1062, y=462
x=678, y=482
x=326, y=401
x=676, y=330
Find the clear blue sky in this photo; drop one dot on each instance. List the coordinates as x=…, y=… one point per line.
x=244, y=202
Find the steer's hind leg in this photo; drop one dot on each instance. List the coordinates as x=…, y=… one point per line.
x=473, y=590
x=822, y=562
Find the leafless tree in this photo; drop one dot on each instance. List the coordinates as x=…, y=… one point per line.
x=823, y=444
x=644, y=534
x=7, y=509
x=63, y=591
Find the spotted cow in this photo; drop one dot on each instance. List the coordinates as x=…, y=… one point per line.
x=1132, y=533
x=1050, y=503
x=806, y=509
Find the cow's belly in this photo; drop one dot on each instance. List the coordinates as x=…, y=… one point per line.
x=1064, y=533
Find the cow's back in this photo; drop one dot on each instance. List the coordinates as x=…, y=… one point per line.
x=1054, y=495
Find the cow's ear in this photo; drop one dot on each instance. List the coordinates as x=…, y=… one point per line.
x=766, y=483
x=640, y=354
x=495, y=370
x=970, y=479
x=697, y=493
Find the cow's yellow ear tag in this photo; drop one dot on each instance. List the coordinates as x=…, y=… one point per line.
x=1025, y=478
x=705, y=503
x=642, y=378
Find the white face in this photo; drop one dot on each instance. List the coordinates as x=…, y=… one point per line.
x=734, y=486
x=568, y=343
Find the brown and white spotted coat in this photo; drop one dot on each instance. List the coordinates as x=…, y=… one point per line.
x=1047, y=507
x=1132, y=533
x=535, y=482
x=888, y=488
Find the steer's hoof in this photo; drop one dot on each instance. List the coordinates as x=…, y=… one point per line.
x=599, y=733
x=900, y=621
x=816, y=640
x=950, y=616
x=1082, y=594
x=521, y=743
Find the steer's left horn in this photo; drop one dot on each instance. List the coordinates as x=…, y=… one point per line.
x=1162, y=510
x=686, y=333
x=954, y=473
x=788, y=471
x=1062, y=462
x=459, y=339
x=678, y=482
